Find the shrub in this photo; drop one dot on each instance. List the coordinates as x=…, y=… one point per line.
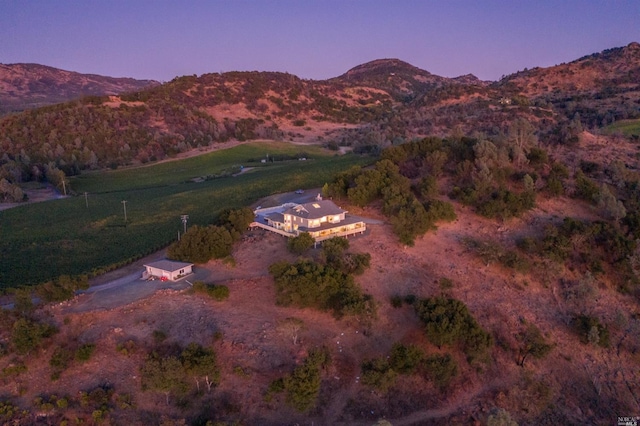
x=445, y=283
x=27, y=335
x=126, y=348
x=59, y=361
x=405, y=359
x=438, y=210
x=440, y=369
x=303, y=385
x=84, y=352
x=309, y=284
x=378, y=373
x=586, y=189
x=159, y=336
x=63, y=288
x=448, y=321
x=355, y=263
x=591, y=330
x=396, y=301
x=217, y=292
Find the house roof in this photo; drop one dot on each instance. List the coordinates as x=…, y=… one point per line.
x=315, y=210
x=168, y=265
x=276, y=217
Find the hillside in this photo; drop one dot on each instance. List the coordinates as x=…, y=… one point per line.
x=601, y=88
x=371, y=106
x=498, y=280
x=27, y=86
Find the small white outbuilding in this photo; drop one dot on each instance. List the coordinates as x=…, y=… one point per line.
x=167, y=270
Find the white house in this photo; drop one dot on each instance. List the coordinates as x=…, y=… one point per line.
x=167, y=270
x=321, y=218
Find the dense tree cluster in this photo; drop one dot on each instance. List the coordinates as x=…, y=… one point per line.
x=327, y=285
x=404, y=180
x=169, y=373
x=62, y=288
x=202, y=243
x=307, y=284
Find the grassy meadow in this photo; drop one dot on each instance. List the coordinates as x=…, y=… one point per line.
x=41, y=241
x=626, y=127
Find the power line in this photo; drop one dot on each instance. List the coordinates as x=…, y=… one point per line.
x=184, y=218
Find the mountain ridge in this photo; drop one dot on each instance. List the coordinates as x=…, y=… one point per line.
x=372, y=105
x=29, y=85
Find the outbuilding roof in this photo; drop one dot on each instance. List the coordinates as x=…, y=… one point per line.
x=168, y=265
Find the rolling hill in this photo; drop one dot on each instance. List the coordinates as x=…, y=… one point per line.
x=373, y=105
x=27, y=86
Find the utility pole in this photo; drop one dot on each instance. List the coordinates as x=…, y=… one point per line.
x=86, y=199
x=184, y=218
x=124, y=205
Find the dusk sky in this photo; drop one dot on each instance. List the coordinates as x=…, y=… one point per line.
x=161, y=39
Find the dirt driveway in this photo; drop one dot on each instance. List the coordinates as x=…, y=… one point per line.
x=124, y=291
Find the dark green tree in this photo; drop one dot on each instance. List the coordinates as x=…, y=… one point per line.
x=405, y=359
x=28, y=335
x=302, y=387
x=441, y=369
x=301, y=243
x=165, y=375
x=200, y=363
x=378, y=373
x=200, y=244
x=532, y=343
x=236, y=221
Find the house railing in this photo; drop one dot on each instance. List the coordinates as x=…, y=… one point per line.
x=359, y=228
x=272, y=229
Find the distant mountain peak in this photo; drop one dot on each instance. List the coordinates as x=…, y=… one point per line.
x=383, y=66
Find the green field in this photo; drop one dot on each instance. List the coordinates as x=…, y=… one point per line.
x=626, y=127
x=41, y=241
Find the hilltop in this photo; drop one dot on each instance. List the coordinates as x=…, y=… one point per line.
x=27, y=86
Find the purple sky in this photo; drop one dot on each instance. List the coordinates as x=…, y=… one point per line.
x=162, y=39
